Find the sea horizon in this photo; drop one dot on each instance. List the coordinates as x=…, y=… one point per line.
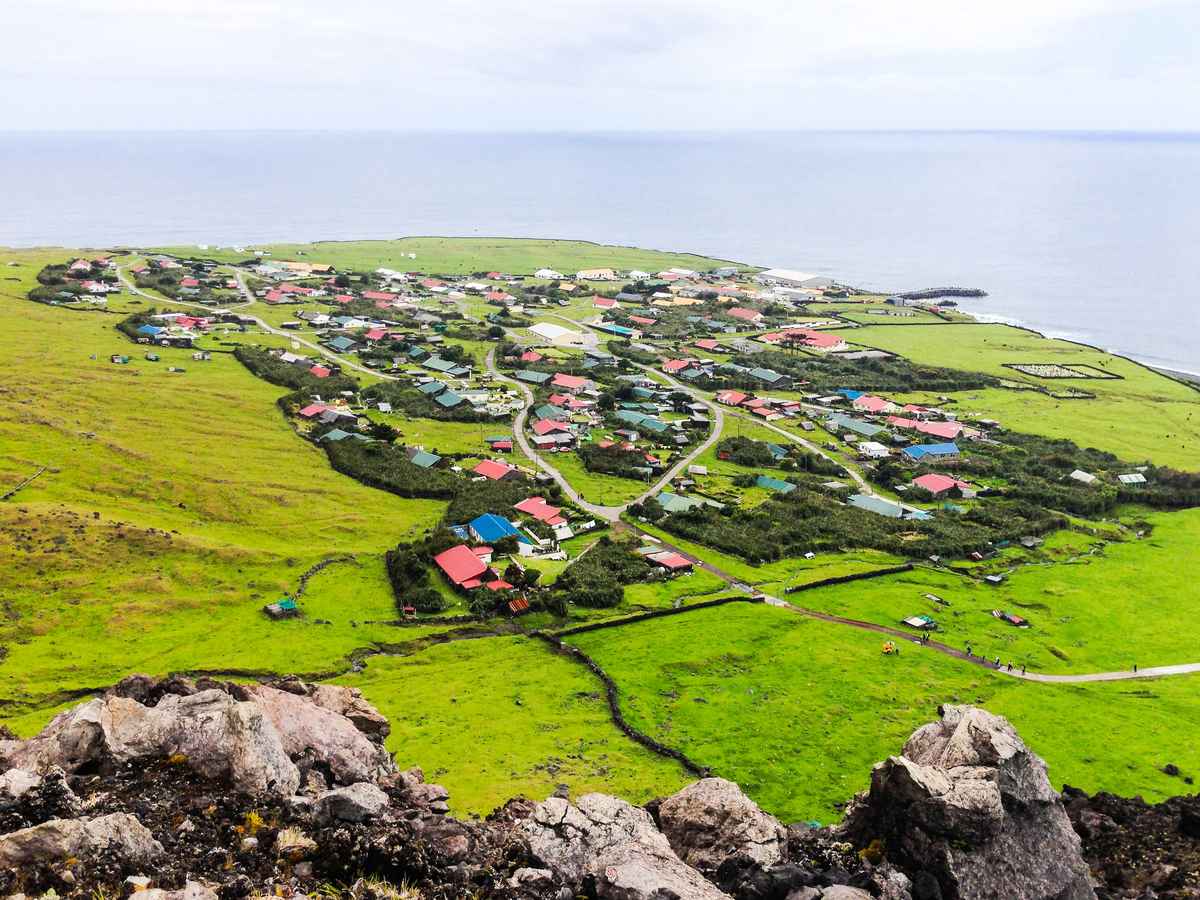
x=1064, y=229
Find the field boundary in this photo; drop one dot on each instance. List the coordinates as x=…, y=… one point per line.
x=614, y=706
x=853, y=576
x=652, y=614
x=23, y=484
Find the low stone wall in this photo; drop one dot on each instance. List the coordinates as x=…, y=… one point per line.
x=845, y=579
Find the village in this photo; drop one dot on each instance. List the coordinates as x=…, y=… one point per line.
x=730, y=408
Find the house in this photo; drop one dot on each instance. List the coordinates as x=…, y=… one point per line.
x=708, y=344
x=595, y=275
x=873, y=450
x=282, y=609
x=341, y=344
x=1084, y=477
x=490, y=528
x=794, y=279
x=337, y=434
x=922, y=451
x=448, y=399
x=1132, y=478
x=550, y=274
x=603, y=302
x=943, y=485
x=550, y=426
x=752, y=316
x=422, y=458
x=820, y=341
x=571, y=383
x=671, y=561
x=882, y=507
x=530, y=376
x=839, y=422
x=674, y=503
x=870, y=404
x=732, y=398
x=462, y=566
x=447, y=367
x=770, y=377
x=319, y=371
x=539, y=509
x=774, y=484
x=495, y=470
x=556, y=334
x=675, y=366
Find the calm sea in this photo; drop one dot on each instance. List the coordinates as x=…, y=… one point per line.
x=1089, y=236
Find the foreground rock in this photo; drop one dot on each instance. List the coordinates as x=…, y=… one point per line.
x=119, y=836
x=616, y=845
x=184, y=790
x=710, y=821
x=969, y=807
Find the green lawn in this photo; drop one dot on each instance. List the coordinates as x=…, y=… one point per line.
x=821, y=705
x=1141, y=415
x=491, y=719
x=463, y=255
x=1133, y=602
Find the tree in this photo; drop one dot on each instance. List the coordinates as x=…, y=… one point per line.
x=506, y=546
x=606, y=401
x=342, y=281
x=495, y=332
x=382, y=431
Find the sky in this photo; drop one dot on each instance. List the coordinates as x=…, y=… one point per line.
x=570, y=65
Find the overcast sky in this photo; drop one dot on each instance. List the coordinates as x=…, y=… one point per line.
x=600, y=64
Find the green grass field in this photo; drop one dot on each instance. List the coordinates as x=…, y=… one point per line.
x=1131, y=602
x=823, y=705
x=494, y=718
x=459, y=255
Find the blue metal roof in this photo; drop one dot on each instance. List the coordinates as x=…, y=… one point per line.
x=490, y=528
x=920, y=451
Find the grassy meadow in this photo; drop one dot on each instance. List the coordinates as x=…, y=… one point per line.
x=824, y=704
x=463, y=255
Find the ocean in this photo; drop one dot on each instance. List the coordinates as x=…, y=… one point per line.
x=1089, y=236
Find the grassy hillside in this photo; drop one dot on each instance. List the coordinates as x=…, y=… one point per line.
x=459, y=255
x=173, y=508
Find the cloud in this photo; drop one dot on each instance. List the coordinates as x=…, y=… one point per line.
x=601, y=65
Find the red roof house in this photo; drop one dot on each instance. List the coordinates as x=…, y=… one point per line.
x=493, y=469
x=462, y=565
x=675, y=365
x=746, y=315
x=569, y=382
x=642, y=320
x=531, y=356
x=707, y=344
x=942, y=484
x=540, y=510
x=546, y=426
x=732, y=398
x=319, y=371
x=604, y=302
x=313, y=410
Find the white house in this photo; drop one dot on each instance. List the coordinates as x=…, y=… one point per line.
x=873, y=450
x=793, y=278
x=548, y=273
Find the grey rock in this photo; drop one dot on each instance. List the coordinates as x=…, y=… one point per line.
x=970, y=805
x=119, y=834
x=356, y=803
x=711, y=820
x=15, y=784
x=833, y=892
x=349, y=702
x=329, y=737
x=616, y=844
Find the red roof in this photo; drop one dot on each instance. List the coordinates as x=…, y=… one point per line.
x=313, y=409
x=545, y=426
x=937, y=484
x=294, y=289
x=642, y=320
x=746, y=315
x=344, y=298
x=538, y=508
x=320, y=371
x=531, y=356
x=189, y=282
x=871, y=403
x=707, y=344
x=671, y=561
x=430, y=283
x=731, y=398
x=675, y=365
x=809, y=338
x=461, y=565
x=570, y=382
x=273, y=296
x=604, y=302
x=376, y=334
x=755, y=403
x=502, y=445
x=493, y=469
x=946, y=430
x=378, y=295
x=498, y=585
